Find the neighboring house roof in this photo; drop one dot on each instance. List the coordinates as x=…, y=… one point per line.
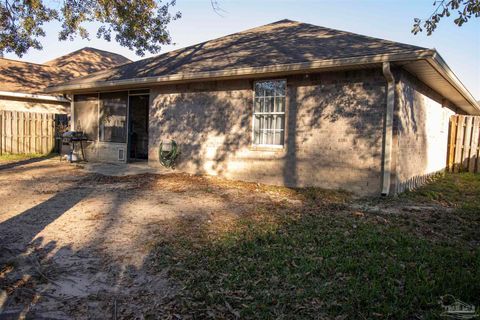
x=27, y=77
x=87, y=60
x=280, y=47
x=21, y=77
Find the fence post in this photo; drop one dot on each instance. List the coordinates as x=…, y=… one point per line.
x=452, y=134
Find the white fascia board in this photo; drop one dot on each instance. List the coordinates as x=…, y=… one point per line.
x=33, y=96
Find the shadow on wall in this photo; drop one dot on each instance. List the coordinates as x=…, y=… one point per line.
x=334, y=120
x=422, y=137
x=208, y=119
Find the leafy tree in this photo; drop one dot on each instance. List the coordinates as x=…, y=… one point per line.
x=139, y=25
x=466, y=9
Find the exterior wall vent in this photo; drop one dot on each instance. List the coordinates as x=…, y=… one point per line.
x=121, y=154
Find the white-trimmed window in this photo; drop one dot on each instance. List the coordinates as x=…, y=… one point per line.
x=269, y=113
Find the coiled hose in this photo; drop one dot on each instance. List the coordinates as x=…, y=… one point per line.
x=167, y=158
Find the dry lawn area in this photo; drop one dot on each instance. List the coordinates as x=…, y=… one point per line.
x=77, y=245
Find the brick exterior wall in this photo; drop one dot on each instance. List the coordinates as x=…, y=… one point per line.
x=420, y=132
x=334, y=126
x=104, y=151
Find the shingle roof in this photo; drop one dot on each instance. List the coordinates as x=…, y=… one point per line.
x=281, y=42
x=27, y=77
x=88, y=60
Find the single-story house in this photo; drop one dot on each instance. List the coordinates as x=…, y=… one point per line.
x=22, y=83
x=286, y=103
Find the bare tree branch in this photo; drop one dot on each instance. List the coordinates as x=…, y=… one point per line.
x=466, y=9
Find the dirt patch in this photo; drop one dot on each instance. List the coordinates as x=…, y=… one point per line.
x=77, y=242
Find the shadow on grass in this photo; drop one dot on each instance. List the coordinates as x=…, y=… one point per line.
x=289, y=253
x=317, y=260
x=318, y=267
x=33, y=159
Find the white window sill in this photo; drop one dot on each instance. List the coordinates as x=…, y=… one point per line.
x=267, y=147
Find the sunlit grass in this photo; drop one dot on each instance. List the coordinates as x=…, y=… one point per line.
x=321, y=261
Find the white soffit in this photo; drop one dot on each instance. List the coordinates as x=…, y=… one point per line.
x=444, y=84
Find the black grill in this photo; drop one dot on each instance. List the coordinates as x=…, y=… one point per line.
x=72, y=138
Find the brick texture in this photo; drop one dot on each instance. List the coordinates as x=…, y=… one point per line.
x=420, y=130
x=333, y=131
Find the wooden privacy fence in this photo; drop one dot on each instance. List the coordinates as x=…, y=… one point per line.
x=464, y=144
x=26, y=132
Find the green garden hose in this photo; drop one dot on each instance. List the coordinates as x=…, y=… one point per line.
x=167, y=158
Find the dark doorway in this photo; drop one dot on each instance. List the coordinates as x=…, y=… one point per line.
x=138, y=128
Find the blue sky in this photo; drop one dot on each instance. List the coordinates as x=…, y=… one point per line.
x=388, y=19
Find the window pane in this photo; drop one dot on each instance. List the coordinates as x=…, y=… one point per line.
x=259, y=104
x=280, y=122
x=269, y=100
x=278, y=139
x=280, y=88
x=269, y=104
x=268, y=122
x=280, y=104
x=113, y=116
x=269, y=89
x=269, y=135
x=259, y=90
x=263, y=137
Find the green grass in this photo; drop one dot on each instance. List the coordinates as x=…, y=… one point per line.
x=324, y=262
x=461, y=190
x=6, y=157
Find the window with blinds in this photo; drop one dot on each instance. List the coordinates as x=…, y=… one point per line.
x=269, y=113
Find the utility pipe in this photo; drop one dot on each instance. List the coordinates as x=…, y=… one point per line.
x=388, y=135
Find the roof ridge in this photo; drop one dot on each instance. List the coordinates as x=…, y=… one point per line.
x=87, y=48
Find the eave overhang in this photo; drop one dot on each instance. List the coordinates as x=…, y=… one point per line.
x=33, y=96
x=425, y=64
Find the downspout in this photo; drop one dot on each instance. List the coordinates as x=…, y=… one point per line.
x=388, y=134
